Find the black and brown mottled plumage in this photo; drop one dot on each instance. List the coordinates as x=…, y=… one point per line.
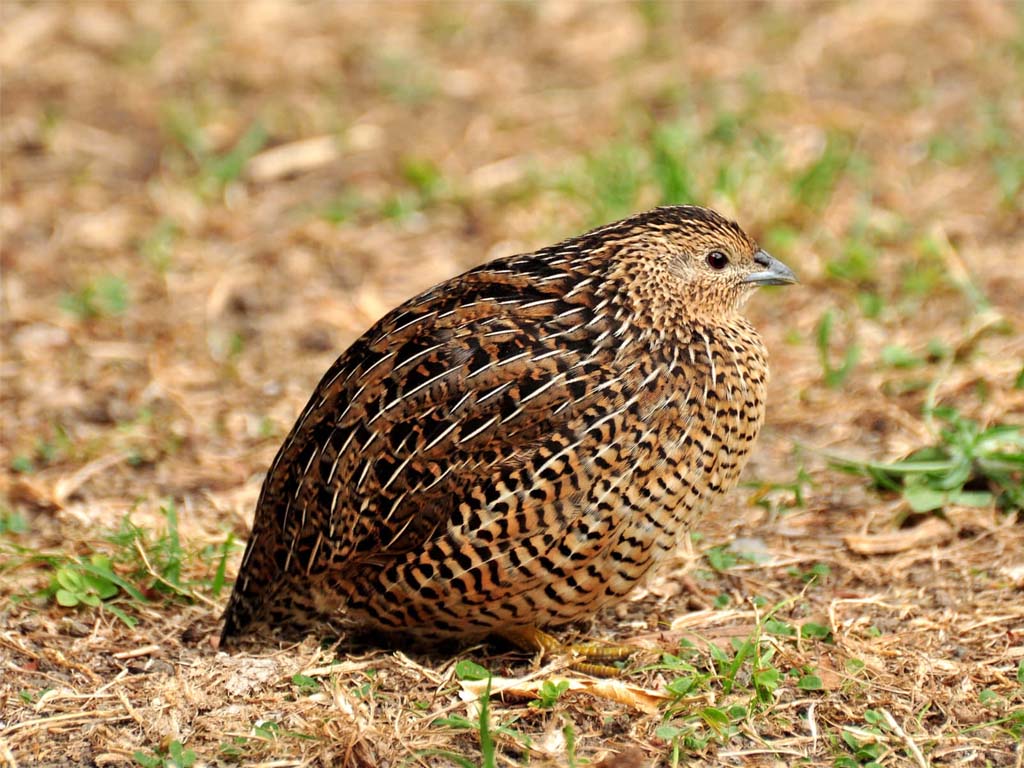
x=519, y=446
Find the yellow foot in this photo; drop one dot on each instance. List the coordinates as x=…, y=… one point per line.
x=589, y=657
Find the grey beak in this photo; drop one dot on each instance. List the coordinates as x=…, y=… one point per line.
x=774, y=272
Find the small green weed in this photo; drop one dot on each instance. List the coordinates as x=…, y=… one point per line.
x=157, y=248
x=857, y=264
x=816, y=631
x=987, y=698
x=406, y=80
x=569, y=733
x=1009, y=172
x=12, y=522
x=175, y=756
x=33, y=698
x=306, y=685
x=47, y=451
x=400, y=205
x=614, y=179
x=927, y=273
x=365, y=690
x=342, y=207
x=670, y=164
x=263, y=732
x=85, y=583
x=809, y=682
x=470, y=670
x=865, y=747
x=213, y=172
x=895, y=356
x=161, y=559
x=948, y=147
x=814, y=185
x=1000, y=142
x=218, y=171
x=835, y=375
x=425, y=186
x=1010, y=708
x=870, y=304
x=780, y=497
x=550, y=692
x=740, y=681
x=855, y=666
x=137, y=566
x=721, y=558
x=424, y=175
x=812, y=575
x=967, y=465
x=1012, y=723
x=23, y=464
x=93, y=582
x=105, y=296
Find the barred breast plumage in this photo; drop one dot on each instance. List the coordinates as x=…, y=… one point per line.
x=518, y=446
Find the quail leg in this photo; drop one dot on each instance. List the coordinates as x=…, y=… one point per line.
x=587, y=656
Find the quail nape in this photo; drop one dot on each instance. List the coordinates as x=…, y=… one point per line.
x=519, y=446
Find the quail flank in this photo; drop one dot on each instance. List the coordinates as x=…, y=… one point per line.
x=521, y=445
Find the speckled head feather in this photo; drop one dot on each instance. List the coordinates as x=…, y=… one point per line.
x=674, y=265
x=520, y=445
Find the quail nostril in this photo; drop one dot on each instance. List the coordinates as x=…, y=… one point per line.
x=763, y=259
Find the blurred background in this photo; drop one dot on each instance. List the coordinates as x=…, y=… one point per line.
x=204, y=203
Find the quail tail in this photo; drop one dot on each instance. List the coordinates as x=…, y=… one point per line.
x=251, y=598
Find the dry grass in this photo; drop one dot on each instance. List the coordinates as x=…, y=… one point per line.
x=204, y=203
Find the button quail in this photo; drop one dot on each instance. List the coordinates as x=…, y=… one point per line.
x=518, y=446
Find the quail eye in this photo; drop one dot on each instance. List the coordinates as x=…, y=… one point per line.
x=717, y=260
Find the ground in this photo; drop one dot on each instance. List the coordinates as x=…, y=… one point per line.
x=204, y=203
